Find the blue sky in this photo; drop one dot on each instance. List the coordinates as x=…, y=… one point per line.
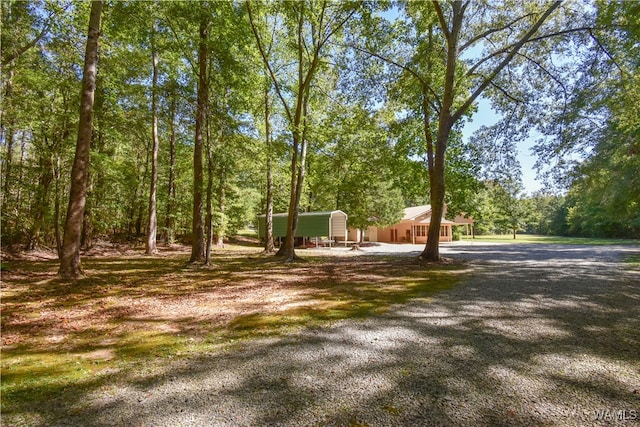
x=486, y=116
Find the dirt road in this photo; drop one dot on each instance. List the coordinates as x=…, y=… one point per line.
x=538, y=335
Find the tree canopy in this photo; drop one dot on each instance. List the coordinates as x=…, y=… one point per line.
x=204, y=117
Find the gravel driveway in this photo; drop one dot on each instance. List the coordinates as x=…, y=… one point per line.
x=538, y=335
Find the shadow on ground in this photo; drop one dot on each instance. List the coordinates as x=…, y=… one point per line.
x=538, y=336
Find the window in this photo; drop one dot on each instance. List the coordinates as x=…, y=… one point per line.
x=444, y=231
x=421, y=230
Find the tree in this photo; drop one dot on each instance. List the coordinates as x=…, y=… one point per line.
x=514, y=210
x=151, y=245
x=448, y=84
x=594, y=134
x=268, y=237
x=197, y=244
x=313, y=25
x=352, y=167
x=70, y=255
x=39, y=90
x=451, y=111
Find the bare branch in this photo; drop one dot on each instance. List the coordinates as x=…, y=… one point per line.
x=492, y=31
x=443, y=22
x=21, y=50
x=547, y=72
x=505, y=93
x=561, y=33
x=526, y=37
x=606, y=52
x=266, y=62
x=340, y=24
x=510, y=47
x=399, y=65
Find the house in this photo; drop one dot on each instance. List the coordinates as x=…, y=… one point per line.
x=329, y=225
x=414, y=227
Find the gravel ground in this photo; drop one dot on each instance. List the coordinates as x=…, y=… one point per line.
x=538, y=335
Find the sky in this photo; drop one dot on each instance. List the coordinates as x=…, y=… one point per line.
x=486, y=116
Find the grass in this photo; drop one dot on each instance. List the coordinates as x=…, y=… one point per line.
x=632, y=261
x=133, y=314
x=560, y=240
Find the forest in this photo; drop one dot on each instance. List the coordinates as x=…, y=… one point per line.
x=182, y=121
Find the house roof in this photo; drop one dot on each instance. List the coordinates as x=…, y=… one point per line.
x=323, y=213
x=427, y=221
x=416, y=211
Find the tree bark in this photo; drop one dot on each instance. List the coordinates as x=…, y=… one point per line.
x=23, y=156
x=209, y=208
x=151, y=245
x=209, y=201
x=70, y=266
x=56, y=219
x=268, y=235
x=197, y=244
x=222, y=200
x=9, y=137
x=170, y=220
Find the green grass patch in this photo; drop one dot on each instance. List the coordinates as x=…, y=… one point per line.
x=632, y=261
x=560, y=240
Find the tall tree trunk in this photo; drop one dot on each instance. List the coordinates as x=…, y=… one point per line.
x=197, y=245
x=170, y=220
x=56, y=219
x=209, y=200
x=209, y=208
x=268, y=235
x=87, y=217
x=151, y=245
x=451, y=30
x=41, y=203
x=8, y=133
x=8, y=137
x=287, y=248
x=297, y=181
x=70, y=259
x=299, y=149
x=23, y=155
x=296, y=119
x=222, y=196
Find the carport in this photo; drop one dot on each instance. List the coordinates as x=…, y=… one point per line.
x=330, y=225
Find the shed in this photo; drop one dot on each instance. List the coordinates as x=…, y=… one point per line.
x=329, y=224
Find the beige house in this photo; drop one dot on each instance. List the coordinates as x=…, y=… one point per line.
x=414, y=227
